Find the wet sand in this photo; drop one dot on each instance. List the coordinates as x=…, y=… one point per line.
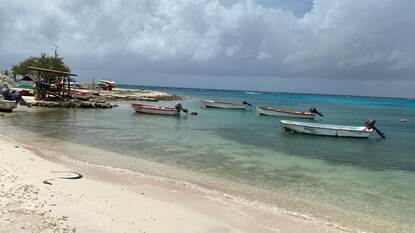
x=115, y=201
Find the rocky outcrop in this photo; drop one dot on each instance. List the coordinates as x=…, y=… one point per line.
x=72, y=104
x=120, y=94
x=7, y=80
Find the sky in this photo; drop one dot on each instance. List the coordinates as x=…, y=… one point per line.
x=351, y=47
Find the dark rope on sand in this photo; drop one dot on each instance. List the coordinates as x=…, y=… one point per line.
x=75, y=177
x=47, y=181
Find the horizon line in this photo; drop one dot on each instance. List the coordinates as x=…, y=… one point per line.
x=281, y=92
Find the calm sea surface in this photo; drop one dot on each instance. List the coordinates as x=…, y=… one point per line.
x=366, y=184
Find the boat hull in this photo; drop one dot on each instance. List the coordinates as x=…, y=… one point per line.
x=222, y=104
x=148, y=109
x=267, y=111
x=326, y=130
x=7, y=105
x=81, y=94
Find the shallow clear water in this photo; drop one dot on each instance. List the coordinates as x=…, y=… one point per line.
x=363, y=183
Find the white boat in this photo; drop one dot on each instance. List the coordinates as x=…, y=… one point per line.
x=327, y=130
x=270, y=111
x=7, y=105
x=142, y=108
x=225, y=104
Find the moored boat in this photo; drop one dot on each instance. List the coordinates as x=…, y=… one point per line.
x=224, y=104
x=7, y=105
x=270, y=111
x=109, y=82
x=106, y=84
x=143, y=108
x=25, y=89
x=331, y=130
x=81, y=94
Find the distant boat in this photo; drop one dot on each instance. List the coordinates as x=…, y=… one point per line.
x=7, y=105
x=225, y=104
x=331, y=130
x=142, y=108
x=253, y=93
x=108, y=81
x=106, y=84
x=270, y=111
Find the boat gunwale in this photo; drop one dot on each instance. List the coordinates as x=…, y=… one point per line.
x=222, y=102
x=152, y=107
x=8, y=101
x=7, y=105
x=318, y=126
x=81, y=92
x=286, y=111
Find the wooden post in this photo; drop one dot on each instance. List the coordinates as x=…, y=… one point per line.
x=37, y=89
x=69, y=85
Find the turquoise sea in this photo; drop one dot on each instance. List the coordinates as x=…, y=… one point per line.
x=363, y=184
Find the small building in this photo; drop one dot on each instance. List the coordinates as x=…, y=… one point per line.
x=27, y=79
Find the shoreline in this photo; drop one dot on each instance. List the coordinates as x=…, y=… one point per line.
x=209, y=211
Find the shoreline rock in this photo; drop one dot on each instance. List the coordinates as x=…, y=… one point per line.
x=72, y=104
x=120, y=94
x=7, y=80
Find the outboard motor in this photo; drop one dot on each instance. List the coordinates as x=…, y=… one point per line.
x=5, y=91
x=13, y=96
x=370, y=124
x=178, y=107
x=246, y=103
x=314, y=110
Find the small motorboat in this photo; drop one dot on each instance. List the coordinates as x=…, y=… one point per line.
x=106, y=84
x=7, y=105
x=25, y=89
x=10, y=98
x=81, y=94
x=270, y=111
x=143, y=108
x=331, y=130
x=225, y=104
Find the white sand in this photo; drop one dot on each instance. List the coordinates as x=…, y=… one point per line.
x=96, y=203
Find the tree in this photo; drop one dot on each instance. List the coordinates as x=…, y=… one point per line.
x=44, y=61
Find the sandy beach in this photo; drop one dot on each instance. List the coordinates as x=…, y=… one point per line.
x=102, y=201
x=207, y=116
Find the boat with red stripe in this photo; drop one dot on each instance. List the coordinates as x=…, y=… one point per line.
x=150, y=109
x=271, y=111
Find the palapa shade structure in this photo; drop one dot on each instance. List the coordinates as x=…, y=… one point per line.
x=51, y=83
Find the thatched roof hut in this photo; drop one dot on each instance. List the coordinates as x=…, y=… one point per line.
x=49, y=82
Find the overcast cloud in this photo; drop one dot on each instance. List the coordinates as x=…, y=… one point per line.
x=323, y=39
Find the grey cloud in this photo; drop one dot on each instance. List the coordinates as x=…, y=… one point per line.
x=344, y=39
